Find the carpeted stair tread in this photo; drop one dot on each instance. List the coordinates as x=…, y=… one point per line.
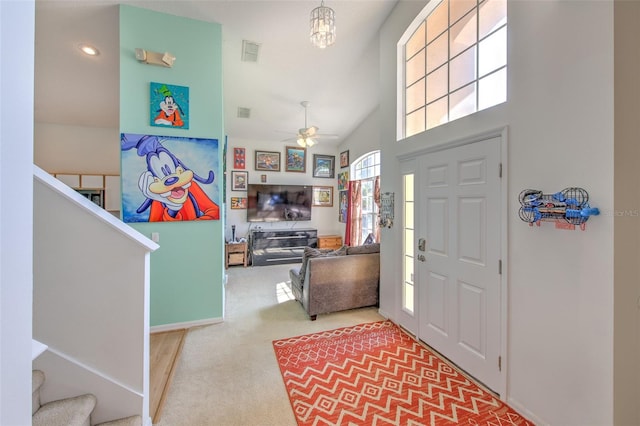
x=127, y=421
x=37, y=379
x=74, y=411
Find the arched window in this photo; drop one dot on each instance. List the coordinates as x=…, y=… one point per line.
x=454, y=62
x=365, y=199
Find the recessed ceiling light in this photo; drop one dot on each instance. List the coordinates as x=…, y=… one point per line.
x=89, y=50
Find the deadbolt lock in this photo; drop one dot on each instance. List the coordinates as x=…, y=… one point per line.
x=422, y=244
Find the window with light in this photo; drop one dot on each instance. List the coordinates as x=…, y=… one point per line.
x=408, y=225
x=365, y=170
x=455, y=62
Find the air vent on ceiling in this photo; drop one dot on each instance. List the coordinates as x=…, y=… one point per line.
x=244, y=112
x=250, y=51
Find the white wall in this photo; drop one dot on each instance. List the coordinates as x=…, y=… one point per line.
x=16, y=198
x=76, y=149
x=363, y=140
x=324, y=219
x=560, y=119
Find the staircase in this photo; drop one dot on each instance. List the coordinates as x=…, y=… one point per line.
x=88, y=265
x=74, y=411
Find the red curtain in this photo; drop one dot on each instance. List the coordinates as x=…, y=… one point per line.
x=354, y=218
x=376, y=199
x=347, y=228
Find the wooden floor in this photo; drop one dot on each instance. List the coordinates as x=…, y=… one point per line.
x=164, y=351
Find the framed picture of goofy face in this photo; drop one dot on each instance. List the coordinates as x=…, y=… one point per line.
x=169, y=178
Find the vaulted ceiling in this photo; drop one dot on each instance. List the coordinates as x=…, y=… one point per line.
x=340, y=82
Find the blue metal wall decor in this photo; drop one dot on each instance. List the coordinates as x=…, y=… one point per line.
x=568, y=208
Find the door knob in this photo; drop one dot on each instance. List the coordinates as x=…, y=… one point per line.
x=421, y=258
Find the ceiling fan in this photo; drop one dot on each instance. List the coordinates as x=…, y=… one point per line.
x=308, y=136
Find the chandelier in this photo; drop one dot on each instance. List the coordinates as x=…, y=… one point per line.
x=322, y=26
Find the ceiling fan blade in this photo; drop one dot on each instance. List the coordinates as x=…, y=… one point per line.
x=325, y=136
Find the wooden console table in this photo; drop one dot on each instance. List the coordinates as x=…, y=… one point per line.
x=329, y=242
x=235, y=254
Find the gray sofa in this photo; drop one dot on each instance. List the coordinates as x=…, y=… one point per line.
x=331, y=281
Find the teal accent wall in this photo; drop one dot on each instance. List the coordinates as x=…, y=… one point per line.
x=187, y=271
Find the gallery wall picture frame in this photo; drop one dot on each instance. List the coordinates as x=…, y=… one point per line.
x=238, y=203
x=344, y=159
x=343, y=200
x=239, y=180
x=267, y=161
x=343, y=180
x=324, y=166
x=322, y=196
x=238, y=158
x=296, y=159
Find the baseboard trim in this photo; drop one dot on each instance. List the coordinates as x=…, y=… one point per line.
x=384, y=313
x=186, y=324
x=516, y=405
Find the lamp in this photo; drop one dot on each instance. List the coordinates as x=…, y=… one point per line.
x=322, y=26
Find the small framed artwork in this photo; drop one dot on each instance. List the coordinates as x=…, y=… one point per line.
x=238, y=203
x=343, y=180
x=322, y=196
x=169, y=105
x=324, y=166
x=238, y=158
x=344, y=159
x=344, y=204
x=296, y=159
x=239, y=180
x=268, y=161
x=263, y=178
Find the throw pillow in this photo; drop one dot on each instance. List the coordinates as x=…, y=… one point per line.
x=370, y=248
x=342, y=251
x=310, y=252
x=369, y=240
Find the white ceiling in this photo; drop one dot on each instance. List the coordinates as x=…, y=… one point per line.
x=341, y=82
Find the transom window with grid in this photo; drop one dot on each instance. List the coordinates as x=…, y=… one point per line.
x=455, y=62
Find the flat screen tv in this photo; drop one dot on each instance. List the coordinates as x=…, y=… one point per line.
x=274, y=203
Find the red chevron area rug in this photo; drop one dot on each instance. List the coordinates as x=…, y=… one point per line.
x=376, y=374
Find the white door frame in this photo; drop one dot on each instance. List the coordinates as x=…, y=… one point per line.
x=501, y=133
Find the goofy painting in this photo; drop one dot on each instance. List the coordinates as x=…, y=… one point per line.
x=157, y=184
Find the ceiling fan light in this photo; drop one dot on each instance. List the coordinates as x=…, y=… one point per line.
x=301, y=142
x=322, y=22
x=310, y=142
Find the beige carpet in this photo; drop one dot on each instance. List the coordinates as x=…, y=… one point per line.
x=227, y=374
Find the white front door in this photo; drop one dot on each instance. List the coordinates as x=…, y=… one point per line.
x=459, y=198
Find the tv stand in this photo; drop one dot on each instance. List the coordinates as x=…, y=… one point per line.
x=279, y=246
